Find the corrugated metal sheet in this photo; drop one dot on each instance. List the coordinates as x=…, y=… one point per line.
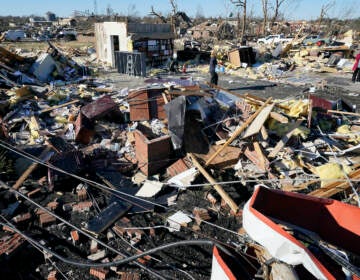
x=149, y=28
x=152, y=36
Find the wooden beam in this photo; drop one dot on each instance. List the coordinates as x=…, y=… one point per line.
x=165, y=98
x=255, y=126
x=263, y=137
x=58, y=106
x=248, y=95
x=104, y=90
x=10, y=55
x=263, y=161
x=335, y=187
x=278, y=117
x=295, y=188
x=238, y=131
x=188, y=93
x=107, y=182
x=217, y=187
x=344, y=113
x=43, y=156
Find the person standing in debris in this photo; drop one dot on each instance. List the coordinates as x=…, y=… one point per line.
x=174, y=64
x=356, y=69
x=213, y=63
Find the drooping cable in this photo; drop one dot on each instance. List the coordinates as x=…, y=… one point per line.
x=2, y=184
x=113, y=263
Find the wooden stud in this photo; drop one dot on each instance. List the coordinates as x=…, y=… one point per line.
x=217, y=187
x=238, y=131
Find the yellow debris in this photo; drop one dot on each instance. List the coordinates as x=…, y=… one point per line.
x=330, y=171
x=352, y=137
x=298, y=108
x=282, y=128
x=302, y=131
x=61, y=119
x=290, y=164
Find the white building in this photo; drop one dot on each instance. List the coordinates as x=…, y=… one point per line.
x=155, y=40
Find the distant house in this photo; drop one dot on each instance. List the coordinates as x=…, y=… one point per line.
x=154, y=40
x=33, y=19
x=205, y=30
x=50, y=16
x=39, y=21
x=71, y=22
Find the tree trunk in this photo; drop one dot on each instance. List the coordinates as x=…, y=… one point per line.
x=265, y=8
x=276, y=12
x=243, y=28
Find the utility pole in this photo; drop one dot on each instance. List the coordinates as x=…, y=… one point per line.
x=95, y=8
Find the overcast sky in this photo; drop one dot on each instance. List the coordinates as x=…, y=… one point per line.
x=293, y=9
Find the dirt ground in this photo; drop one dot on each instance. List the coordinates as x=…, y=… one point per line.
x=82, y=42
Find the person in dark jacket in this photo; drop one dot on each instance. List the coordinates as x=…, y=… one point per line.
x=213, y=62
x=356, y=69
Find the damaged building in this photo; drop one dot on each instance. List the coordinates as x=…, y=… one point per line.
x=154, y=41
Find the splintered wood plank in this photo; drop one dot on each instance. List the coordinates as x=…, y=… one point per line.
x=44, y=156
x=263, y=137
x=335, y=187
x=251, y=96
x=343, y=113
x=285, y=139
x=58, y=106
x=259, y=121
x=263, y=161
x=224, y=195
x=300, y=187
x=278, y=117
x=238, y=131
x=256, y=156
x=229, y=156
x=165, y=98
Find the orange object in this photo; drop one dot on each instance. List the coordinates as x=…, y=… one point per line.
x=184, y=68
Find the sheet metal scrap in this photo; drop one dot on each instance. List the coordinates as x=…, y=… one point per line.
x=107, y=217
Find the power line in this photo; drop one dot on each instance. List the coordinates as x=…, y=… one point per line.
x=118, y=262
x=90, y=182
x=2, y=184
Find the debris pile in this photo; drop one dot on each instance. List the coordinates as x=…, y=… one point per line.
x=50, y=66
x=175, y=180
x=294, y=60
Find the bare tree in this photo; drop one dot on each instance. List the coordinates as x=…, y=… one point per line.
x=174, y=6
x=109, y=10
x=153, y=13
x=242, y=4
x=173, y=17
x=132, y=12
x=199, y=13
x=277, y=5
x=324, y=12
x=345, y=13
x=265, y=5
